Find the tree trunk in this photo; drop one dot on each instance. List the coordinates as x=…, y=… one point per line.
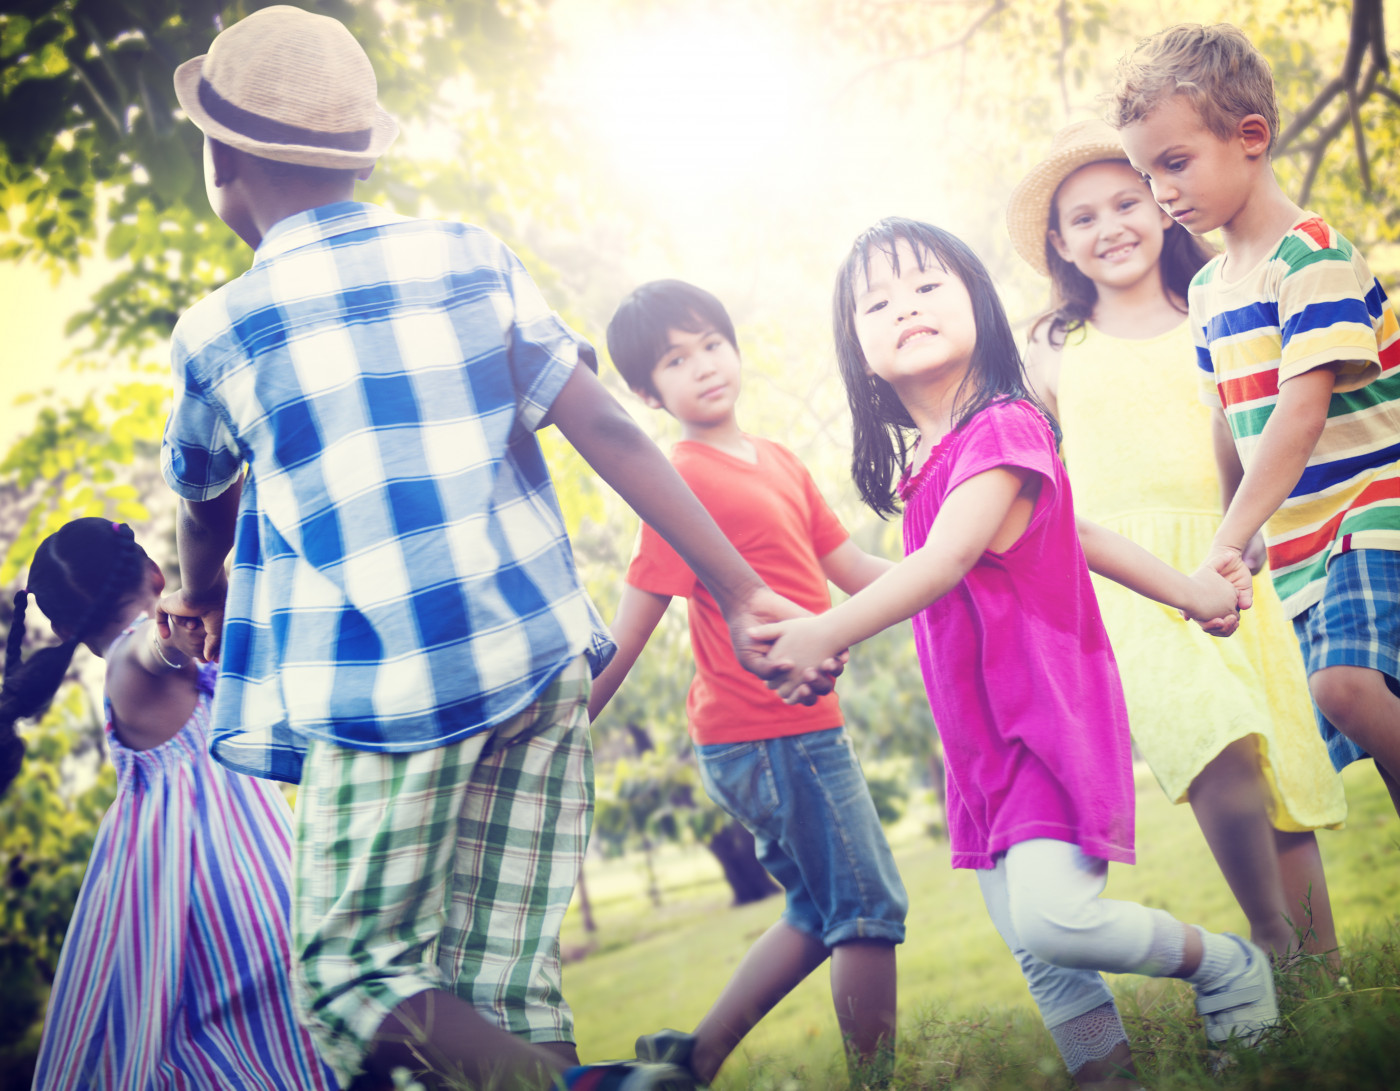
x=585, y=907
x=734, y=849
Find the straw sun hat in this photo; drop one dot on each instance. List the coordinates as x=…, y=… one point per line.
x=288, y=85
x=1028, y=211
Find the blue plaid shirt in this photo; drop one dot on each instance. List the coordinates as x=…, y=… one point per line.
x=401, y=574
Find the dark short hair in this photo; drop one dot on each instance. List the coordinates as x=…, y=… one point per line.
x=639, y=332
x=881, y=426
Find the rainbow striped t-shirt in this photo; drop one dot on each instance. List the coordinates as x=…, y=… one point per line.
x=1311, y=302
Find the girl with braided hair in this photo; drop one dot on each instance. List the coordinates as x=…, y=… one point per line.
x=174, y=969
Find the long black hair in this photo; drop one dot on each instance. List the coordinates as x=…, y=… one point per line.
x=81, y=575
x=880, y=423
x=1073, y=295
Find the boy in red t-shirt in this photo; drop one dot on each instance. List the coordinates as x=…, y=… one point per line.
x=787, y=772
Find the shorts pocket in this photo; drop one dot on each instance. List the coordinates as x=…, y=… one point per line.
x=739, y=777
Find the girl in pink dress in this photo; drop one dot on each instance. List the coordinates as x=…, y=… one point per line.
x=1019, y=672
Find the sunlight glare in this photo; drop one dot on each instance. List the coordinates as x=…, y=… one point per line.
x=690, y=106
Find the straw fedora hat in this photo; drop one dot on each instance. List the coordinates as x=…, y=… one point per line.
x=288, y=85
x=1028, y=211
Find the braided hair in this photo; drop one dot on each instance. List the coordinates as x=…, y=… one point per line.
x=81, y=575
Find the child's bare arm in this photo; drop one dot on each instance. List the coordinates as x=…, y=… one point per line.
x=966, y=526
x=151, y=687
x=623, y=456
x=1043, y=367
x=851, y=568
x=204, y=533
x=1211, y=598
x=638, y=614
x=1278, y=462
x=1231, y=472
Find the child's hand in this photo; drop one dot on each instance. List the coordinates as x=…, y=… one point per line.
x=1255, y=554
x=196, y=624
x=801, y=652
x=763, y=607
x=1216, y=605
x=1231, y=565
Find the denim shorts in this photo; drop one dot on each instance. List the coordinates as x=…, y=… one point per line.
x=1356, y=624
x=805, y=800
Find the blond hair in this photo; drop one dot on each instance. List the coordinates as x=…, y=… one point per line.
x=1216, y=67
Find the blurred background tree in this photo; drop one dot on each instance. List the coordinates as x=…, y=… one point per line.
x=740, y=145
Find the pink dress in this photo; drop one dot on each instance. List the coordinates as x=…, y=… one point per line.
x=1019, y=672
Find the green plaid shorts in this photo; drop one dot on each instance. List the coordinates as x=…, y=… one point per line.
x=446, y=869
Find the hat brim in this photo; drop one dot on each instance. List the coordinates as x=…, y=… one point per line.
x=1028, y=210
x=382, y=133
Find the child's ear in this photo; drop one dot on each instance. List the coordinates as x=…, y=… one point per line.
x=224, y=160
x=1059, y=244
x=157, y=577
x=1254, y=132
x=648, y=398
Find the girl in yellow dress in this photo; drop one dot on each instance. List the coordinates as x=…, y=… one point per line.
x=1223, y=724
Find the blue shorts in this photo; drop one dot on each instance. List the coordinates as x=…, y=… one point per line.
x=805, y=800
x=1356, y=624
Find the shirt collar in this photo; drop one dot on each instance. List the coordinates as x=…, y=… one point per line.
x=316, y=225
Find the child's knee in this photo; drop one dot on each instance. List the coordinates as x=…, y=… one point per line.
x=1344, y=693
x=1057, y=936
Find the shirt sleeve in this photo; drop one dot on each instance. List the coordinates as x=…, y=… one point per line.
x=1010, y=434
x=827, y=531
x=1206, y=388
x=1323, y=319
x=658, y=568
x=543, y=351
x=199, y=454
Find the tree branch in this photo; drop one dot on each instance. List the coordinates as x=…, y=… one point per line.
x=1333, y=129
x=1363, y=163
x=1308, y=114
x=996, y=8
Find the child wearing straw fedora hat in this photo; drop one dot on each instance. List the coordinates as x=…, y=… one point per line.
x=1225, y=725
x=403, y=631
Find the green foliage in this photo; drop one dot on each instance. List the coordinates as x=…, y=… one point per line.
x=92, y=140
x=95, y=457
x=48, y=820
x=652, y=798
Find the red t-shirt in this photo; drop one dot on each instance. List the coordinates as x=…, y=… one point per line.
x=773, y=514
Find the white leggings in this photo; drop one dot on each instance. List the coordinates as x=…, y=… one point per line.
x=1043, y=897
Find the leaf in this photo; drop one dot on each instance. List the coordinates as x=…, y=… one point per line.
x=28, y=116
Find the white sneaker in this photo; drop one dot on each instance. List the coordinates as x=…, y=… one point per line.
x=1245, y=1004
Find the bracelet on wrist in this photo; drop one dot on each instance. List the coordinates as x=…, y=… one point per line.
x=160, y=651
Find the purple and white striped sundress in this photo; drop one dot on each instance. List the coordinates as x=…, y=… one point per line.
x=174, y=972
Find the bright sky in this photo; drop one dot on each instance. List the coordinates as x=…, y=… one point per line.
x=35, y=311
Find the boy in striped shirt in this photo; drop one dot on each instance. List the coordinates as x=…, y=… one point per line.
x=1298, y=353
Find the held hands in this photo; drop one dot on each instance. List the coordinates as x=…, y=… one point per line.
x=753, y=627
x=802, y=654
x=195, y=623
x=1225, y=586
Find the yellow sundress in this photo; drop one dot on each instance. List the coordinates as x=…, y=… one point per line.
x=1138, y=448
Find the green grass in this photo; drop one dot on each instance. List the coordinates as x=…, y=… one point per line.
x=966, y=1020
